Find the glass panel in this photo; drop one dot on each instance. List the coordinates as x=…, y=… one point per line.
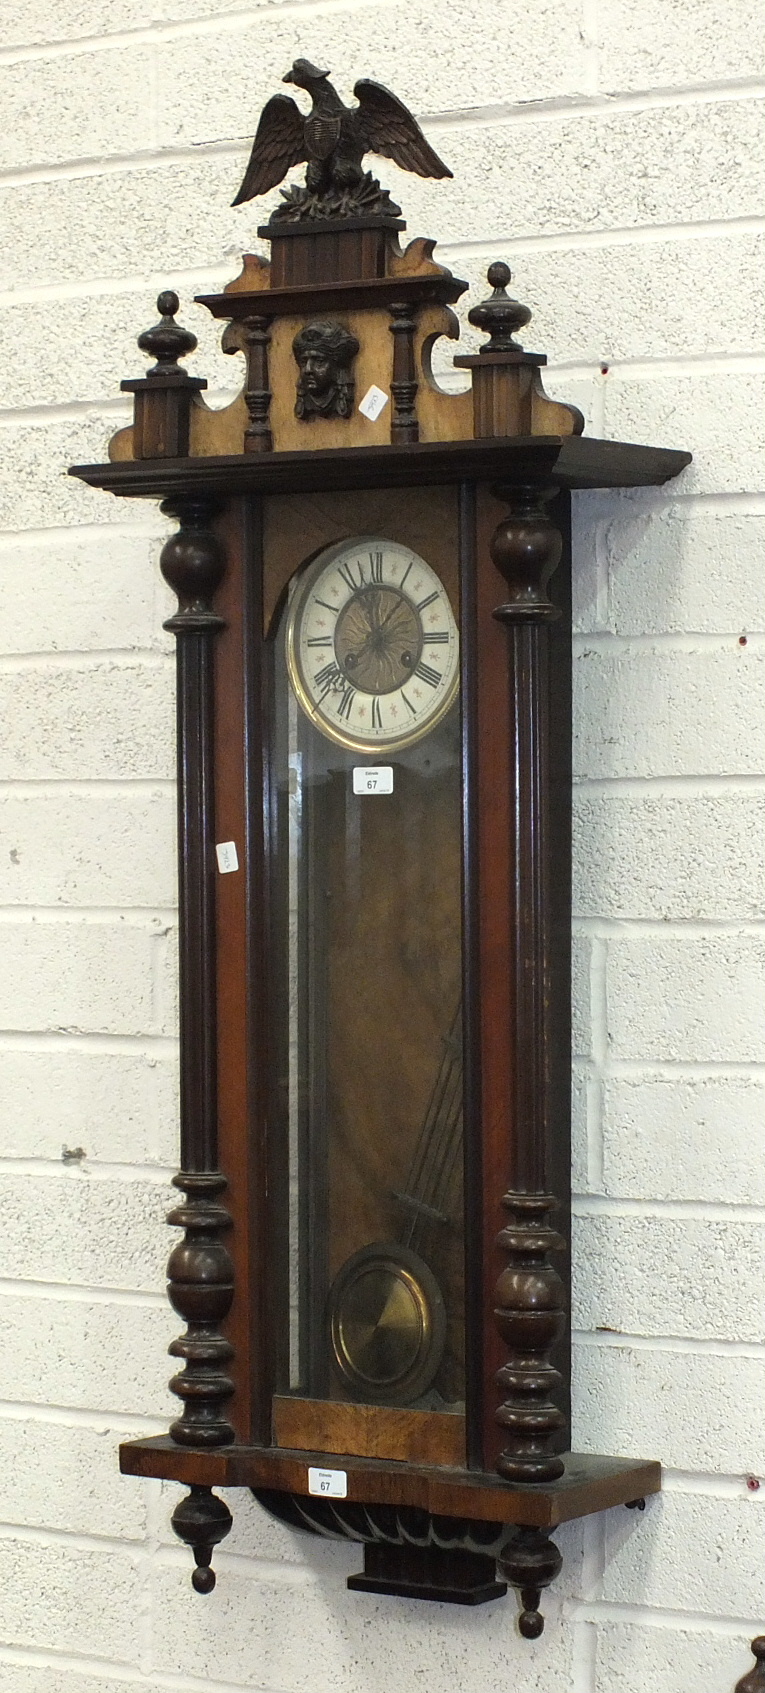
x=367, y=948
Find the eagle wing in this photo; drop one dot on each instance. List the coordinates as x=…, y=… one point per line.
x=389, y=128
x=279, y=144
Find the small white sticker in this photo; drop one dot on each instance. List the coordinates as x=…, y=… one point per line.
x=374, y=401
x=333, y=1484
x=227, y=858
x=373, y=778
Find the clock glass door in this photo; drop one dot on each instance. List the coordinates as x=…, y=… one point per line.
x=367, y=950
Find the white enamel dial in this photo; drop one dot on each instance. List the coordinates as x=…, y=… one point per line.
x=372, y=645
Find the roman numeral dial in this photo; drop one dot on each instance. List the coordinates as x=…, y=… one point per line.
x=372, y=645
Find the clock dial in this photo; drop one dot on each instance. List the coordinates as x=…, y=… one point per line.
x=372, y=645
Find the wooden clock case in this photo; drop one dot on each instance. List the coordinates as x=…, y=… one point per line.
x=449, y=1508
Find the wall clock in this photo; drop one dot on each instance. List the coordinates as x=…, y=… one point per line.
x=374, y=726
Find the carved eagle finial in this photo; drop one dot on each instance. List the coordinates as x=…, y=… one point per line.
x=332, y=141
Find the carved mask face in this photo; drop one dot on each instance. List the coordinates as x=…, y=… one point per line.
x=316, y=372
x=325, y=353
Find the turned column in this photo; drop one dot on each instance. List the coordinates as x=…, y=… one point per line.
x=529, y=1295
x=200, y=1271
x=257, y=394
x=404, y=426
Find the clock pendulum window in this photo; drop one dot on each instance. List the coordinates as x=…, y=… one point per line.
x=374, y=726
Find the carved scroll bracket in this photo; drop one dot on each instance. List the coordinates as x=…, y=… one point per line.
x=200, y=1270
x=530, y=1296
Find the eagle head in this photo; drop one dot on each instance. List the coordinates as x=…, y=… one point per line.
x=303, y=74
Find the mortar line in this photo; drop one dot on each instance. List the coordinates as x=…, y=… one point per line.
x=480, y=249
x=79, y=1293
x=695, y=1345
x=99, y=1422
x=697, y=1210
x=497, y=116
x=605, y=1610
x=87, y=1169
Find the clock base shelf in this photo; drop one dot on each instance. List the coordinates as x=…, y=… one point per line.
x=589, y=1482
x=438, y=1534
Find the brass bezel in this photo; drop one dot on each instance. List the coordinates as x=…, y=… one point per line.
x=400, y=1263
x=306, y=580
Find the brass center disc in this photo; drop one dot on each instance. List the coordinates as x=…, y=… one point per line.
x=387, y=1324
x=378, y=639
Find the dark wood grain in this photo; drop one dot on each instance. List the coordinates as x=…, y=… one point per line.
x=200, y=1271
x=403, y=425
x=588, y=1484
x=530, y=1297
x=162, y=398
x=316, y=298
x=570, y=462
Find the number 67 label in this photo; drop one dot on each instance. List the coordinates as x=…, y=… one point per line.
x=331, y=1484
x=373, y=778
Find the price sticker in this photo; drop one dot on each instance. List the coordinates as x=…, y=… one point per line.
x=226, y=855
x=331, y=1484
x=373, y=778
x=375, y=400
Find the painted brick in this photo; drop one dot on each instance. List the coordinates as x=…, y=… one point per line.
x=87, y=722
x=678, y=1137
x=35, y=491
x=647, y=713
x=94, y=977
x=87, y=849
x=96, y=347
x=99, y=1233
x=100, y=105
x=65, y=1477
x=114, y=1358
x=117, y=1106
x=497, y=68
x=19, y=1676
x=719, y=417
x=581, y=1030
x=645, y=299
x=644, y=44
x=700, y=999
x=579, y=1131
x=636, y=1658
x=669, y=570
x=537, y=176
x=688, y=1549
x=362, y=1643
x=60, y=1596
x=669, y=1276
x=530, y=176
x=134, y=223
x=631, y=857
x=65, y=20
x=696, y=1411
x=90, y=591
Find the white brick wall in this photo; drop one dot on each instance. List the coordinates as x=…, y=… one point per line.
x=609, y=149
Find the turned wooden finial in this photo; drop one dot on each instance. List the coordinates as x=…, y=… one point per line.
x=508, y=397
x=499, y=316
x=166, y=341
x=162, y=398
x=754, y=1682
